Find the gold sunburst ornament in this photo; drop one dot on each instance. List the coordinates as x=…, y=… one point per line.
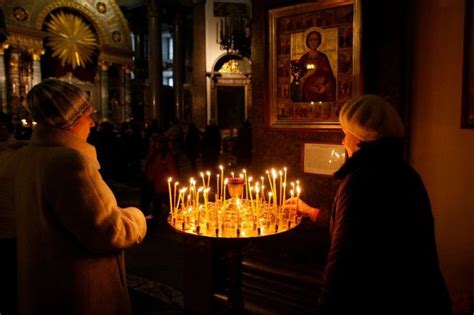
x=71, y=39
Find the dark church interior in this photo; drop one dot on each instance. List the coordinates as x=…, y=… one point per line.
x=223, y=83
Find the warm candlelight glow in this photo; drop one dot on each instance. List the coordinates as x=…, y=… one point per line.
x=240, y=207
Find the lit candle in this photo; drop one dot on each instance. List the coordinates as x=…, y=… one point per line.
x=202, y=177
x=208, y=178
x=284, y=193
x=181, y=197
x=218, y=189
x=241, y=176
x=281, y=187
x=270, y=194
x=274, y=176
x=198, y=224
x=284, y=184
x=222, y=178
x=291, y=196
x=216, y=208
x=197, y=197
x=224, y=193
x=257, y=191
x=249, y=180
x=269, y=181
x=174, y=194
x=171, y=198
x=206, y=194
x=298, y=192
x=246, y=184
x=252, y=206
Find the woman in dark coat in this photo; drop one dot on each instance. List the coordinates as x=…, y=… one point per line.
x=383, y=257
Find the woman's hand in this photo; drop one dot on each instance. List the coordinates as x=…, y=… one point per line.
x=302, y=208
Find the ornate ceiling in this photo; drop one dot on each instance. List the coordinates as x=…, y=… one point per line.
x=26, y=22
x=70, y=39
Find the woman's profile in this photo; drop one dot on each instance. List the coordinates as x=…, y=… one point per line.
x=318, y=84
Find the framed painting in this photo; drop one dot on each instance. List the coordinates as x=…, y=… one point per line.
x=467, y=109
x=314, y=63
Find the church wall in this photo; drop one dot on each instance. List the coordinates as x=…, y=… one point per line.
x=440, y=150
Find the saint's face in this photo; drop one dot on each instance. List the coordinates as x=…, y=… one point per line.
x=313, y=41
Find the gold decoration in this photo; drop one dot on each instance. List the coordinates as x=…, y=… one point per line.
x=232, y=66
x=71, y=40
x=116, y=36
x=101, y=7
x=20, y=14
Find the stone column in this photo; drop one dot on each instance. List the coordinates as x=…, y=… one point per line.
x=178, y=64
x=104, y=90
x=199, y=98
x=3, y=83
x=127, y=93
x=14, y=89
x=36, y=69
x=155, y=64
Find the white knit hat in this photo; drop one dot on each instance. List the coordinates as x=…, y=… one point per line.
x=370, y=117
x=57, y=103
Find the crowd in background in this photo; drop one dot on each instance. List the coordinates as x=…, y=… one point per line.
x=148, y=155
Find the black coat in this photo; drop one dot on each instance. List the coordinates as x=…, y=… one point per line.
x=383, y=257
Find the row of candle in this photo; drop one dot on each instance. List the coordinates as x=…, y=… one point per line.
x=186, y=202
x=276, y=196
x=218, y=221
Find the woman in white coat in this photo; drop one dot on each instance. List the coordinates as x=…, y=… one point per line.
x=71, y=232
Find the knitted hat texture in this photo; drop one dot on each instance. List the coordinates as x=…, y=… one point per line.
x=57, y=103
x=370, y=117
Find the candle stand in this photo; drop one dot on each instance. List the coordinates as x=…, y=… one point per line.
x=233, y=222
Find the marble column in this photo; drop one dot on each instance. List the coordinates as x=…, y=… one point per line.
x=104, y=91
x=178, y=64
x=155, y=65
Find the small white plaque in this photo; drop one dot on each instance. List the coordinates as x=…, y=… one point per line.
x=324, y=159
